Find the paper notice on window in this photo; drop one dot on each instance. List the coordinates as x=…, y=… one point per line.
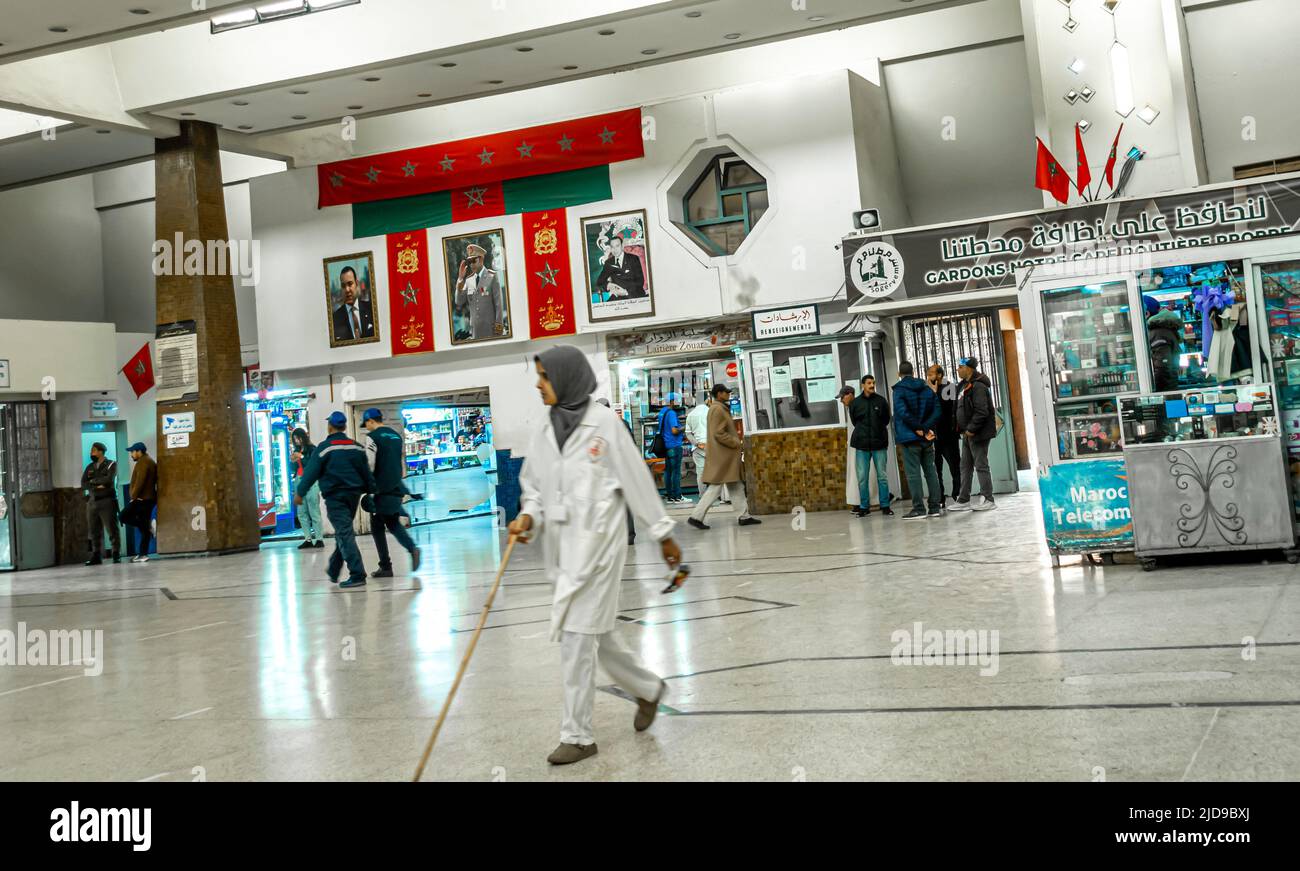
x=1108, y=318
x=822, y=390
x=761, y=381
x=762, y=360
x=176, y=368
x=797, y=368
x=820, y=365
x=782, y=386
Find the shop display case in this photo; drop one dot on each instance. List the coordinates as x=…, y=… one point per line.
x=1279, y=285
x=272, y=418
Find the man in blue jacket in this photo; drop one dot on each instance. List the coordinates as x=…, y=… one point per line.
x=339, y=465
x=916, y=414
x=386, y=456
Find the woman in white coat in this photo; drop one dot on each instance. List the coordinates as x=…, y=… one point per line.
x=581, y=475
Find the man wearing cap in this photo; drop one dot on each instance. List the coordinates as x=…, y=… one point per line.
x=385, y=454
x=99, y=480
x=977, y=424
x=144, y=497
x=339, y=465
x=670, y=425
x=478, y=290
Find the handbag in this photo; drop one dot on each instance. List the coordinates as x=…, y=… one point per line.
x=657, y=447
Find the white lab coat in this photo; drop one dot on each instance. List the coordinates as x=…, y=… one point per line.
x=578, y=500
x=851, y=495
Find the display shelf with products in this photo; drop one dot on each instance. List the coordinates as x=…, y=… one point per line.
x=1090, y=340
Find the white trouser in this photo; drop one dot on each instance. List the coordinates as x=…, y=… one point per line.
x=738, y=501
x=698, y=456
x=578, y=655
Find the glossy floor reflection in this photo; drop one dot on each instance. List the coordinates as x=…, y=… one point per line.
x=253, y=667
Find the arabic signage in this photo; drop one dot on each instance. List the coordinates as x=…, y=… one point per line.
x=985, y=255
x=676, y=340
x=178, y=423
x=103, y=408
x=177, y=367
x=781, y=323
x=1086, y=507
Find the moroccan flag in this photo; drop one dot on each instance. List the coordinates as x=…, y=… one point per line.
x=546, y=264
x=581, y=143
x=139, y=371
x=531, y=194
x=1051, y=176
x=1082, y=175
x=410, y=303
x=1110, y=161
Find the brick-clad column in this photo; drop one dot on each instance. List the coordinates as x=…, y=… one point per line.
x=215, y=472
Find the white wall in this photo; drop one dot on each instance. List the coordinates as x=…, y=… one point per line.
x=50, y=252
x=75, y=355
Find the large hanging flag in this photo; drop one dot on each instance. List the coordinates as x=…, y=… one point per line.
x=410, y=303
x=139, y=371
x=536, y=193
x=1110, y=161
x=1050, y=176
x=546, y=265
x=1082, y=175
x=548, y=148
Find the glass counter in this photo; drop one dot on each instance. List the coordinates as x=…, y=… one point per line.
x=1203, y=414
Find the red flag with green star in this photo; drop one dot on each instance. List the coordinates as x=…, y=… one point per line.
x=139, y=371
x=1050, y=176
x=410, y=302
x=1110, y=161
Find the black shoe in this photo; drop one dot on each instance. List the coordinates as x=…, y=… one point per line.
x=94, y=561
x=415, y=560
x=860, y=512
x=382, y=573
x=916, y=514
x=888, y=512
x=935, y=512
x=117, y=559
x=333, y=580
x=631, y=539
x=748, y=521
x=306, y=545
x=319, y=544
x=352, y=582
x=698, y=524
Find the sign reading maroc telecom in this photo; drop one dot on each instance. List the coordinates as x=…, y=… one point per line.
x=1086, y=507
x=985, y=255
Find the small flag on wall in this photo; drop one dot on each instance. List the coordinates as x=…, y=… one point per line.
x=139, y=371
x=1049, y=175
x=410, y=305
x=546, y=261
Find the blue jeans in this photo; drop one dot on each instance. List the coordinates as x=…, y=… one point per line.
x=864, y=460
x=341, y=509
x=673, y=473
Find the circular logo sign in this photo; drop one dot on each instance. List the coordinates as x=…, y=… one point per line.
x=876, y=269
x=732, y=370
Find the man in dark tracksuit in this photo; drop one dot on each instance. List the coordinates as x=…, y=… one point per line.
x=339, y=464
x=99, y=480
x=385, y=454
x=947, y=445
x=977, y=423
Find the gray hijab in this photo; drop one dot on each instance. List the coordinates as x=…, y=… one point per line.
x=574, y=382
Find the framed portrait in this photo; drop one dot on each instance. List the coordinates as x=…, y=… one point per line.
x=350, y=294
x=478, y=294
x=616, y=255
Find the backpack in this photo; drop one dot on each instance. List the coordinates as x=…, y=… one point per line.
x=657, y=447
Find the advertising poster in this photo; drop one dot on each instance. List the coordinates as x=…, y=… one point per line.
x=1086, y=506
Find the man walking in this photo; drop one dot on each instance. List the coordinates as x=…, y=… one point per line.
x=99, y=481
x=144, y=496
x=870, y=415
x=670, y=424
x=947, y=447
x=722, y=465
x=385, y=454
x=977, y=424
x=339, y=464
x=916, y=414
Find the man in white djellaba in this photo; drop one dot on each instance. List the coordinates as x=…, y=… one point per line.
x=581, y=475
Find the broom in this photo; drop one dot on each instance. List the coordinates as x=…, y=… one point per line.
x=464, y=663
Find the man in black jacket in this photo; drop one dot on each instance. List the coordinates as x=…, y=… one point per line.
x=947, y=446
x=99, y=481
x=386, y=454
x=977, y=425
x=869, y=413
x=621, y=275
x=339, y=464
x=352, y=320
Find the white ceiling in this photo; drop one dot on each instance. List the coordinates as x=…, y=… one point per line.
x=25, y=24
x=74, y=149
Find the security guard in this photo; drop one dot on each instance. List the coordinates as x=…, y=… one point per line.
x=385, y=453
x=99, y=481
x=339, y=465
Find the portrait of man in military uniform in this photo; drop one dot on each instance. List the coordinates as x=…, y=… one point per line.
x=478, y=296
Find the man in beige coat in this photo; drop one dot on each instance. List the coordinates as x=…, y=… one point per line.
x=722, y=462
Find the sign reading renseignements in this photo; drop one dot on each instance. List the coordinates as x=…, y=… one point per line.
x=781, y=323
x=985, y=255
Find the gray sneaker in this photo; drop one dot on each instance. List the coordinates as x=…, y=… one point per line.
x=985, y=504
x=916, y=514
x=960, y=506
x=567, y=754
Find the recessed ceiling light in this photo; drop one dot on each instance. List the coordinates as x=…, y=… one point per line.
x=355, y=108
x=731, y=36
x=1087, y=93
x=571, y=67
x=103, y=132
x=299, y=93
x=1076, y=66
x=1084, y=125
x=1109, y=5
x=188, y=114
x=1071, y=96
x=648, y=51
x=523, y=48
x=239, y=103
x=447, y=64
x=605, y=32
x=496, y=81
x=300, y=117
x=371, y=79
x=58, y=28
x=424, y=96
x=1071, y=25
x=138, y=11
x=817, y=18
x=245, y=126
x=1148, y=113
x=695, y=14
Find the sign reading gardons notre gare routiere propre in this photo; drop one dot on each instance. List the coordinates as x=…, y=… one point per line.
x=985, y=255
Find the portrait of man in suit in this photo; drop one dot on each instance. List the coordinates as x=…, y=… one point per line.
x=618, y=266
x=350, y=295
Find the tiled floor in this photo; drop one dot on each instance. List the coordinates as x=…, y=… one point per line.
x=778, y=653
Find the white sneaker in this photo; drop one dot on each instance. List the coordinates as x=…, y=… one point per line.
x=985, y=504
x=961, y=506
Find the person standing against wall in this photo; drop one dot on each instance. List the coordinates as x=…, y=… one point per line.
x=313, y=531
x=947, y=446
x=144, y=497
x=386, y=456
x=99, y=481
x=722, y=466
x=339, y=464
x=671, y=426
x=977, y=423
x=916, y=414
x=870, y=415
